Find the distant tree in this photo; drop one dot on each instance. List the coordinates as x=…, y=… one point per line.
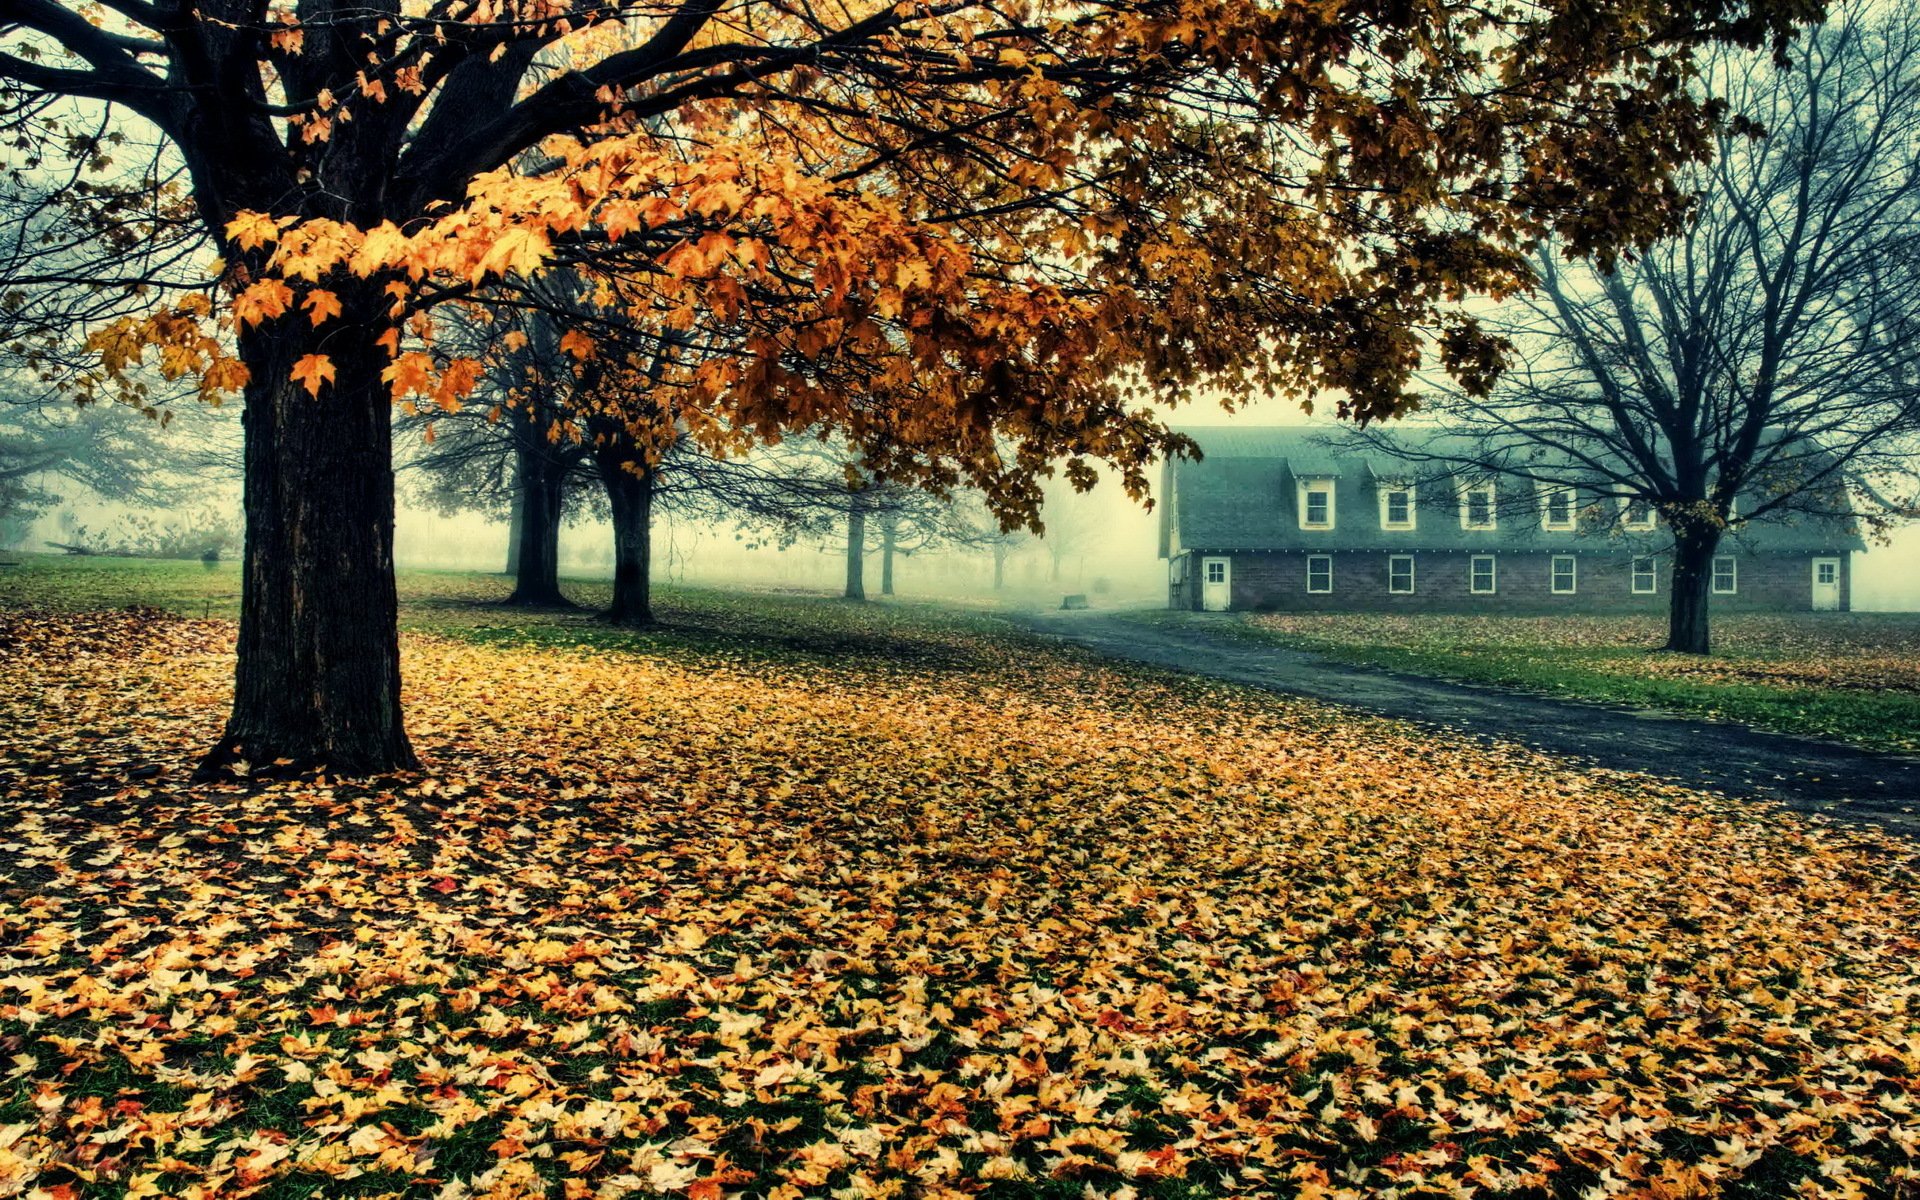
x=1768, y=353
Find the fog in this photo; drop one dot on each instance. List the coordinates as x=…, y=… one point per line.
x=1111, y=552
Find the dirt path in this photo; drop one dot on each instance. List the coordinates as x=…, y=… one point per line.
x=1801, y=773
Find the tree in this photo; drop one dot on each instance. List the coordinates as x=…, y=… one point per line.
x=1760, y=365
x=1002, y=221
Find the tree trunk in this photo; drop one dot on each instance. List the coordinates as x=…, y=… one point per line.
x=999, y=566
x=542, y=485
x=856, y=551
x=516, y=522
x=889, y=534
x=1687, y=623
x=630, y=495
x=1056, y=557
x=317, y=684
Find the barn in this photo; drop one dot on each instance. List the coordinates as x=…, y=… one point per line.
x=1280, y=519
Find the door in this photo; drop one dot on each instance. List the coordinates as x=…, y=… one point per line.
x=1826, y=584
x=1216, y=584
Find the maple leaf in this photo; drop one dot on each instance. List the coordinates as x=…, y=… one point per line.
x=313, y=370
x=322, y=305
x=577, y=344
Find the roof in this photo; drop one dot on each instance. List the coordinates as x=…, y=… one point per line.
x=1244, y=495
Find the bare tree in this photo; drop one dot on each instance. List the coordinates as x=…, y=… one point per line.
x=1761, y=365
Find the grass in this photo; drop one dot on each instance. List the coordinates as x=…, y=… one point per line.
x=792, y=898
x=1850, y=677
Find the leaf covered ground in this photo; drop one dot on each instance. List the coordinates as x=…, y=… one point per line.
x=1850, y=676
x=797, y=899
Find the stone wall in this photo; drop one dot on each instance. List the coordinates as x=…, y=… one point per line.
x=1277, y=581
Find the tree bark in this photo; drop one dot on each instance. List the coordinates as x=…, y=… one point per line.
x=889, y=535
x=856, y=551
x=516, y=522
x=542, y=486
x=317, y=684
x=999, y=566
x=630, y=495
x=1688, y=630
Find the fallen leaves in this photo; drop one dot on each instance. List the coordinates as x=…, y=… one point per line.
x=864, y=904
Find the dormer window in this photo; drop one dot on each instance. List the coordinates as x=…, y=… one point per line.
x=1476, y=506
x=1557, y=508
x=1396, y=506
x=1636, y=514
x=1316, y=504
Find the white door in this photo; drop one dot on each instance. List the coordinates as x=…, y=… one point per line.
x=1216, y=584
x=1826, y=584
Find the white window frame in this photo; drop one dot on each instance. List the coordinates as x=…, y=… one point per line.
x=1320, y=591
x=1207, y=570
x=1388, y=490
x=1646, y=523
x=1493, y=505
x=1651, y=574
x=1833, y=563
x=1316, y=487
x=1473, y=575
x=1573, y=574
x=1393, y=583
x=1549, y=492
x=1733, y=575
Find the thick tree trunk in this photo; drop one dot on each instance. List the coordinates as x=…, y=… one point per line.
x=856, y=552
x=516, y=521
x=999, y=566
x=543, y=496
x=1688, y=630
x=889, y=535
x=630, y=495
x=318, y=678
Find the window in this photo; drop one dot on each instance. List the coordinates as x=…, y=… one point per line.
x=1636, y=514
x=1476, y=506
x=1726, y=575
x=1216, y=570
x=1646, y=580
x=1563, y=575
x=1316, y=504
x=1828, y=573
x=1400, y=574
x=1319, y=572
x=1480, y=575
x=1556, y=508
x=1396, y=506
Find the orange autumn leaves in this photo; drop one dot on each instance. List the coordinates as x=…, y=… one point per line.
x=765, y=913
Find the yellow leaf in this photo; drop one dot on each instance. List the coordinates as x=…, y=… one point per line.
x=322, y=305
x=577, y=344
x=313, y=370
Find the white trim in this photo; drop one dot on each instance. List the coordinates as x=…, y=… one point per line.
x=1315, y=487
x=1641, y=526
x=1733, y=575
x=1548, y=493
x=1399, y=558
x=1652, y=574
x=1322, y=591
x=1573, y=574
x=1493, y=504
x=1473, y=575
x=1388, y=489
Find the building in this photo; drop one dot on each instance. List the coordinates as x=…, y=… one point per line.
x=1277, y=519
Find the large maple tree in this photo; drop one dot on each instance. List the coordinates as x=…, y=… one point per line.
x=941, y=227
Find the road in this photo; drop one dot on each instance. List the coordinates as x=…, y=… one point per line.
x=1735, y=760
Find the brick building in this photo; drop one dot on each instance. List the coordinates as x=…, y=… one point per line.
x=1272, y=519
